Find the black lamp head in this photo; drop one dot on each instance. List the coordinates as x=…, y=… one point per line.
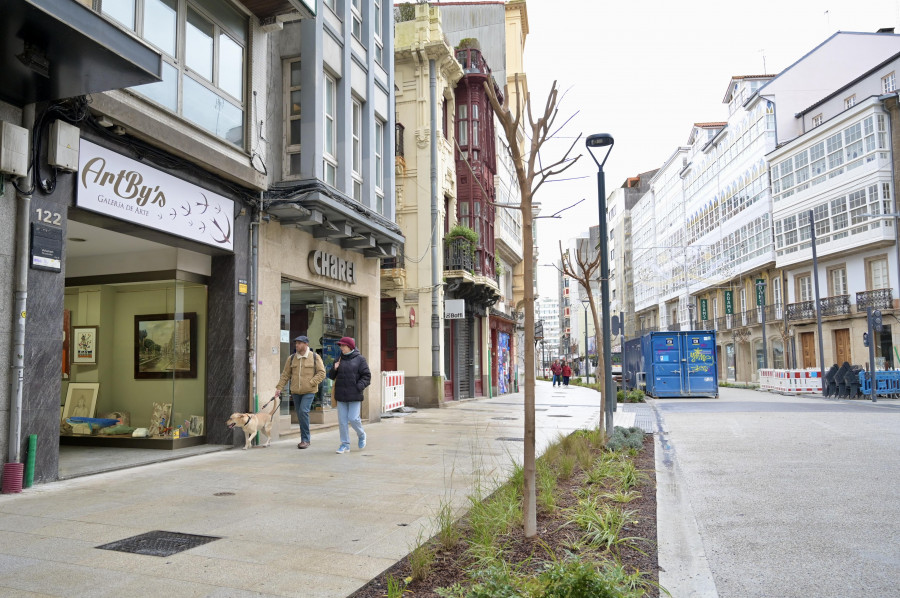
x=599, y=140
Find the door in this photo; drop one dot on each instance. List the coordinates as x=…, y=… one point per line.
x=388, y=335
x=808, y=348
x=842, y=346
x=700, y=364
x=666, y=380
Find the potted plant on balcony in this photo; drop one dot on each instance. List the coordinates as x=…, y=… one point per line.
x=462, y=240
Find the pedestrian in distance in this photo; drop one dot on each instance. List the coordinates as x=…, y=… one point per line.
x=351, y=376
x=556, y=370
x=305, y=370
x=566, y=374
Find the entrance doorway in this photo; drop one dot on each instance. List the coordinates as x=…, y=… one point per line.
x=808, y=348
x=842, y=346
x=389, y=335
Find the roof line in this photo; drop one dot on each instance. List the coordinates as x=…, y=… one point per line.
x=852, y=83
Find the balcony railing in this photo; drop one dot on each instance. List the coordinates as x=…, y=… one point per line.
x=804, y=310
x=673, y=327
x=835, y=306
x=397, y=261
x=459, y=255
x=877, y=299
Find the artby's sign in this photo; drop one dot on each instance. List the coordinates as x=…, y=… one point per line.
x=331, y=266
x=113, y=185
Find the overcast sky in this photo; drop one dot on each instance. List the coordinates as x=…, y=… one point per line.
x=646, y=70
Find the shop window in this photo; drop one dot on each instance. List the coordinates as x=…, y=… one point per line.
x=292, y=117
x=204, y=54
x=324, y=316
x=150, y=358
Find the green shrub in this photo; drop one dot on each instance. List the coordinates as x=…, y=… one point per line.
x=623, y=438
x=571, y=578
x=462, y=231
x=620, y=396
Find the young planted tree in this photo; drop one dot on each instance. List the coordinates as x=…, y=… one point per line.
x=530, y=175
x=584, y=270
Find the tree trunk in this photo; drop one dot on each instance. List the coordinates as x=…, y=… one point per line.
x=529, y=502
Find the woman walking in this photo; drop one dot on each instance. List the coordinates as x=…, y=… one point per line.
x=351, y=376
x=566, y=374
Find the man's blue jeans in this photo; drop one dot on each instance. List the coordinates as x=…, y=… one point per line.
x=302, y=405
x=556, y=378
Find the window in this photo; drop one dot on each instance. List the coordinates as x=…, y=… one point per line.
x=837, y=281
x=357, y=151
x=462, y=129
x=877, y=274
x=292, y=122
x=330, y=4
x=379, y=44
x=888, y=83
x=850, y=102
x=330, y=162
x=203, y=45
x=379, y=166
x=475, y=125
x=356, y=18
x=804, y=288
x=817, y=120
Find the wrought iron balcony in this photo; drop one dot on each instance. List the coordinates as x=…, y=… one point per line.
x=724, y=322
x=459, y=254
x=804, y=310
x=835, y=306
x=774, y=313
x=391, y=263
x=706, y=325
x=673, y=327
x=877, y=299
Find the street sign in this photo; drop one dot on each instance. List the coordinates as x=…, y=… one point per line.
x=760, y=292
x=729, y=302
x=704, y=310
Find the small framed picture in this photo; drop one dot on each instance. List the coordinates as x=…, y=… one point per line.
x=81, y=399
x=84, y=344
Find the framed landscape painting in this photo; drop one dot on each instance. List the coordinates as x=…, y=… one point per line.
x=165, y=346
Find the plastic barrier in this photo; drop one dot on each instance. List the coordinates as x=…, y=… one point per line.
x=887, y=383
x=790, y=381
x=393, y=390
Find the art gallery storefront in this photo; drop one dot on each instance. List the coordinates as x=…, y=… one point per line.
x=137, y=309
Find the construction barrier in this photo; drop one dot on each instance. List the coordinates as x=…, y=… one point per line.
x=887, y=383
x=393, y=390
x=791, y=381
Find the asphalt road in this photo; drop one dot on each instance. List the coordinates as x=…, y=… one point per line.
x=764, y=495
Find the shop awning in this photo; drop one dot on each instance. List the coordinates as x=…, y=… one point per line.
x=342, y=221
x=54, y=49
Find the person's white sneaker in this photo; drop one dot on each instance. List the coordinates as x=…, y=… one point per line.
x=343, y=449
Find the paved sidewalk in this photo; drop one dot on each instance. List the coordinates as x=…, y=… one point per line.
x=292, y=523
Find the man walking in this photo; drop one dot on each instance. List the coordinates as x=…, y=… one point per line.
x=305, y=370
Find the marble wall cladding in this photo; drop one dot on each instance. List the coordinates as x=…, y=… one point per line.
x=43, y=342
x=227, y=369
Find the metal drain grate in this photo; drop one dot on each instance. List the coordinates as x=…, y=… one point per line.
x=506, y=418
x=158, y=543
x=559, y=416
x=511, y=439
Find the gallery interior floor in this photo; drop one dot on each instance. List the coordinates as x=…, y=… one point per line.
x=76, y=461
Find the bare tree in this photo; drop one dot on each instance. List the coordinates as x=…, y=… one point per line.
x=530, y=175
x=584, y=270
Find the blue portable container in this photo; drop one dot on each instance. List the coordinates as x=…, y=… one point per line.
x=677, y=364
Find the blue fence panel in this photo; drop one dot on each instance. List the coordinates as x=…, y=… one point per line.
x=887, y=383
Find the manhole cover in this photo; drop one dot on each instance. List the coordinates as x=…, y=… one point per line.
x=511, y=439
x=224, y=494
x=505, y=418
x=158, y=543
x=559, y=416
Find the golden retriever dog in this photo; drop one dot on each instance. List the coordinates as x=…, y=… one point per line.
x=251, y=423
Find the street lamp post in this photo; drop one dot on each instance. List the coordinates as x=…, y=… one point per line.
x=595, y=141
x=587, y=354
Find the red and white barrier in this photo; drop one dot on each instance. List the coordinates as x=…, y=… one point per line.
x=791, y=381
x=393, y=390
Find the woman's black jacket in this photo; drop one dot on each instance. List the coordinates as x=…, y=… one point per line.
x=351, y=378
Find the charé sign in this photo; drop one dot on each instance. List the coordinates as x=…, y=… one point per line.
x=331, y=266
x=113, y=185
